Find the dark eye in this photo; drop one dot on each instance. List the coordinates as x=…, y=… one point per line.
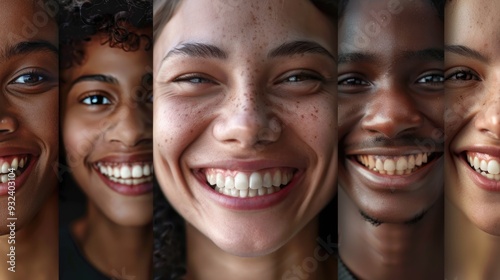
x=193, y=79
x=295, y=78
x=96, y=100
x=29, y=79
x=463, y=75
x=353, y=82
x=433, y=78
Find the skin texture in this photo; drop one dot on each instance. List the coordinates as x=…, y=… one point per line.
x=246, y=110
x=472, y=123
x=390, y=104
x=119, y=128
x=29, y=121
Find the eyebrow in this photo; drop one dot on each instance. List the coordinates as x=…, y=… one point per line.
x=466, y=51
x=299, y=47
x=425, y=54
x=95, y=78
x=198, y=50
x=27, y=47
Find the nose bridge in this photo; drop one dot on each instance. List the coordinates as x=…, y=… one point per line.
x=392, y=111
x=488, y=117
x=248, y=118
x=129, y=125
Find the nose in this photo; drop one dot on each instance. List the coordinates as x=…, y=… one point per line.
x=130, y=126
x=8, y=123
x=488, y=118
x=248, y=122
x=392, y=112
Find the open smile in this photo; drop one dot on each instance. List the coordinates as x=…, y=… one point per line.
x=396, y=165
x=128, y=178
x=15, y=168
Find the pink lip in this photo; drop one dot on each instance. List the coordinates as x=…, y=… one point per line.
x=478, y=179
x=19, y=181
x=248, y=203
x=129, y=190
x=380, y=182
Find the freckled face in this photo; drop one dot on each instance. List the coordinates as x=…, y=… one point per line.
x=473, y=111
x=390, y=107
x=28, y=109
x=232, y=109
x=107, y=125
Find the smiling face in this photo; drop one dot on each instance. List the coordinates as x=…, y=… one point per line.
x=244, y=119
x=107, y=130
x=473, y=111
x=390, y=108
x=28, y=109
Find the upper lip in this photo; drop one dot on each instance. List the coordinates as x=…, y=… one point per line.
x=393, y=151
x=12, y=151
x=250, y=166
x=124, y=158
x=490, y=150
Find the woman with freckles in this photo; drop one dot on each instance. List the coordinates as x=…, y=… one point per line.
x=473, y=140
x=244, y=124
x=28, y=140
x=107, y=133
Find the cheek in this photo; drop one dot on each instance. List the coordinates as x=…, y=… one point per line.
x=43, y=118
x=77, y=137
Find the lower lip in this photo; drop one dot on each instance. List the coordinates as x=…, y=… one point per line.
x=382, y=182
x=479, y=180
x=19, y=181
x=250, y=203
x=129, y=190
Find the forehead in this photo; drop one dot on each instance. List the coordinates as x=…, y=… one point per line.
x=239, y=23
x=25, y=20
x=386, y=25
x=474, y=24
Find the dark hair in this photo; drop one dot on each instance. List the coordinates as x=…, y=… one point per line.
x=115, y=19
x=438, y=4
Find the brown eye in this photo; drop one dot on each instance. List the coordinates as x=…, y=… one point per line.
x=29, y=79
x=463, y=75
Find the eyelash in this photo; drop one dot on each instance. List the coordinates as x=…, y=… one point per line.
x=302, y=76
x=469, y=75
x=353, y=81
x=432, y=76
x=190, y=78
x=32, y=72
x=95, y=100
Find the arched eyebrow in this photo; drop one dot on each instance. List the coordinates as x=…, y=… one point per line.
x=299, y=47
x=467, y=52
x=197, y=50
x=27, y=47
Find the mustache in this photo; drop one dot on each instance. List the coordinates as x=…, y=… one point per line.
x=421, y=143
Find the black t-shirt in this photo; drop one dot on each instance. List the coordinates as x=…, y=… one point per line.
x=72, y=263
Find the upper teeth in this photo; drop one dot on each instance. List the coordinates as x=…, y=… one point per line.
x=487, y=167
x=398, y=165
x=15, y=163
x=126, y=171
x=239, y=184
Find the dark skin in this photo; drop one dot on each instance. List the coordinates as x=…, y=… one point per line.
x=390, y=106
x=29, y=126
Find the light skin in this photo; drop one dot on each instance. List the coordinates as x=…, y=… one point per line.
x=107, y=119
x=472, y=80
x=246, y=106
x=29, y=127
x=390, y=84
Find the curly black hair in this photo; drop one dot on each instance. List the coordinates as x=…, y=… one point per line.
x=117, y=20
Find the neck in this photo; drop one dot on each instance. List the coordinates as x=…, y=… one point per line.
x=36, y=246
x=471, y=253
x=391, y=251
x=113, y=249
x=299, y=258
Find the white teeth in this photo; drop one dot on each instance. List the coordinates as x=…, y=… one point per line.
x=146, y=170
x=21, y=163
x=15, y=163
x=4, y=178
x=125, y=172
x=248, y=185
x=136, y=171
x=241, y=181
x=256, y=181
x=398, y=165
x=5, y=168
x=488, y=168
